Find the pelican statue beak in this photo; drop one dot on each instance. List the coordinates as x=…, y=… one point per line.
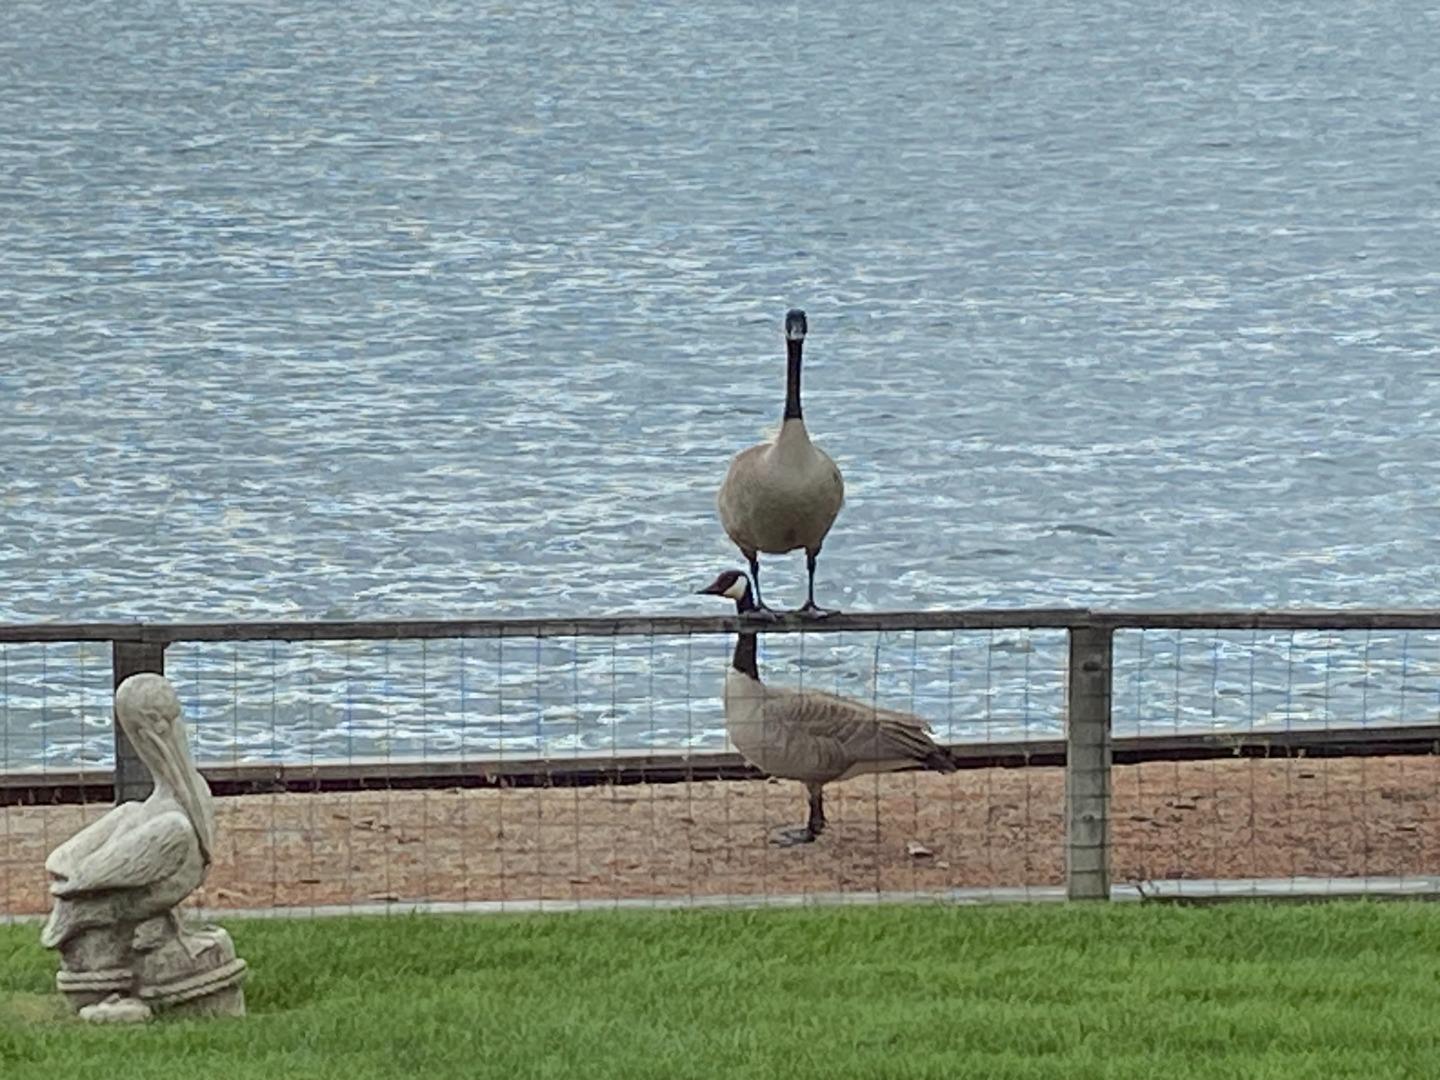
x=149, y=712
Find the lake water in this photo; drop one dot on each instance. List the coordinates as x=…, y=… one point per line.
x=460, y=309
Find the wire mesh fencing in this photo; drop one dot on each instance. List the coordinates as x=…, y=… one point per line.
x=583, y=768
x=55, y=710
x=1320, y=769
x=578, y=769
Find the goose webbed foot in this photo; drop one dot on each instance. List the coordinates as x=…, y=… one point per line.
x=813, y=827
x=761, y=613
x=812, y=610
x=793, y=836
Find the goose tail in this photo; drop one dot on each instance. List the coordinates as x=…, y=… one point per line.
x=941, y=760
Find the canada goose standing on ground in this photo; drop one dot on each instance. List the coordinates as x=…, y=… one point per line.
x=809, y=735
x=784, y=494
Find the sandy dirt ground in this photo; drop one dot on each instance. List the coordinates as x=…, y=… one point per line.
x=988, y=828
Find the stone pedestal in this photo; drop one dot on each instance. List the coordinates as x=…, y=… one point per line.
x=123, y=974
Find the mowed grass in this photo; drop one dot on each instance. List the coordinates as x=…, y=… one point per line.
x=1241, y=990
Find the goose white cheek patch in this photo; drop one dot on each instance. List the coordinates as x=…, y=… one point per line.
x=736, y=591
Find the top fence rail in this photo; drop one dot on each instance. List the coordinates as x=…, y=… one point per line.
x=646, y=626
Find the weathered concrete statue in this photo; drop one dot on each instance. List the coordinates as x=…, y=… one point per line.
x=123, y=949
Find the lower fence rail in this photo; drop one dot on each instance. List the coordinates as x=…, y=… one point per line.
x=54, y=787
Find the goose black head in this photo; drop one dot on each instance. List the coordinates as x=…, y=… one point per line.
x=733, y=584
x=795, y=325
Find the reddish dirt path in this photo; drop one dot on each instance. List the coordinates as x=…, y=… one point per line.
x=987, y=828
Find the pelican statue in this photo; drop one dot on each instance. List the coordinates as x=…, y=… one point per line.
x=116, y=883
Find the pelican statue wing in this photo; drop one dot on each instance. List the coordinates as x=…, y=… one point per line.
x=65, y=858
x=142, y=855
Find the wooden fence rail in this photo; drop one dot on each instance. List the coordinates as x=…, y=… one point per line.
x=661, y=625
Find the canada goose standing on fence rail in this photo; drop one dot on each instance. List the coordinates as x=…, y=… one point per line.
x=784, y=494
x=809, y=735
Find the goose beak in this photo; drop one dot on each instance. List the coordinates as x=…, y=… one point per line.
x=715, y=588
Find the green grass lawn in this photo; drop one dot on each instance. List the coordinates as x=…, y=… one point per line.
x=1133, y=991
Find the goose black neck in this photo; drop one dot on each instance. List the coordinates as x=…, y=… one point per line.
x=744, y=660
x=792, y=381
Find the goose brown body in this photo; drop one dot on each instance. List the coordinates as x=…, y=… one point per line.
x=781, y=495
x=817, y=738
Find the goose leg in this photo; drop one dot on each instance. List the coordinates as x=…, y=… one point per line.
x=805, y=834
x=761, y=610
x=811, y=609
x=816, y=824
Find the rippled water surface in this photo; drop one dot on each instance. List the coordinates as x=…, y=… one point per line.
x=460, y=309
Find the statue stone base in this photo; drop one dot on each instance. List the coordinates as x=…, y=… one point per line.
x=127, y=974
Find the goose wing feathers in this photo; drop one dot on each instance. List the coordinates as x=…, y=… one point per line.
x=846, y=737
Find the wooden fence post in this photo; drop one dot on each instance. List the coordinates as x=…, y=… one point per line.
x=1087, y=764
x=132, y=779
